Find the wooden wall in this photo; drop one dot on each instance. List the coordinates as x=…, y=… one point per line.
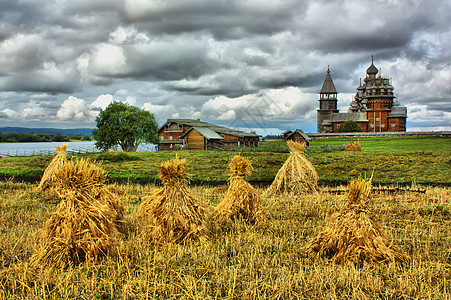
x=195, y=140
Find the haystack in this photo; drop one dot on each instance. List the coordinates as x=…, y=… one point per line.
x=172, y=213
x=297, y=175
x=242, y=200
x=85, y=223
x=353, y=146
x=352, y=235
x=57, y=162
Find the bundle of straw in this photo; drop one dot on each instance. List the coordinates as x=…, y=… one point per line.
x=297, y=175
x=353, y=146
x=84, y=225
x=171, y=213
x=352, y=235
x=241, y=200
x=57, y=162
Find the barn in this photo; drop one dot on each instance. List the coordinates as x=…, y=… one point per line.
x=199, y=135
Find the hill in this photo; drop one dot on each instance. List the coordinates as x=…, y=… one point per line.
x=72, y=131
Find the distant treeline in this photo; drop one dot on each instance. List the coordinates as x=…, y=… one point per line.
x=273, y=137
x=36, y=138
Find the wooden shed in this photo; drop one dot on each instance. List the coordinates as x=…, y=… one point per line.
x=297, y=136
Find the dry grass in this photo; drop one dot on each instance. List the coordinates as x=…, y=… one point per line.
x=353, y=146
x=57, y=162
x=242, y=200
x=172, y=213
x=84, y=225
x=297, y=175
x=352, y=235
x=261, y=261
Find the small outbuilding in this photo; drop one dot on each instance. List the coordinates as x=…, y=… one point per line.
x=296, y=136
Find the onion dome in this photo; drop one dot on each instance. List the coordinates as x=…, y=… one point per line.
x=372, y=69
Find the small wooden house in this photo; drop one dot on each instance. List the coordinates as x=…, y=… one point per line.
x=198, y=135
x=297, y=136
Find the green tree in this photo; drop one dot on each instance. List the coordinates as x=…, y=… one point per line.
x=124, y=125
x=349, y=126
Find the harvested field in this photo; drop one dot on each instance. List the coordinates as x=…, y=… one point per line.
x=265, y=260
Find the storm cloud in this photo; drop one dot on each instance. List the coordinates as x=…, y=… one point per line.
x=242, y=63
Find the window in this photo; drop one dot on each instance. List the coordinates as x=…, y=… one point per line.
x=338, y=125
x=383, y=125
x=162, y=137
x=372, y=125
x=392, y=125
x=170, y=137
x=377, y=119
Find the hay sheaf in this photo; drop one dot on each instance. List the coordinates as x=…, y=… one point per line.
x=85, y=223
x=353, y=146
x=242, y=200
x=297, y=175
x=352, y=235
x=57, y=162
x=172, y=214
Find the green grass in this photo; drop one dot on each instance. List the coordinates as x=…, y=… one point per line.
x=393, y=159
x=395, y=144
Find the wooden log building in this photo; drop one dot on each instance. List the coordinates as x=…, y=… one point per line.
x=198, y=135
x=374, y=107
x=296, y=136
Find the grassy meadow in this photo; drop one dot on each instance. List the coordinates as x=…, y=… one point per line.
x=393, y=159
x=266, y=260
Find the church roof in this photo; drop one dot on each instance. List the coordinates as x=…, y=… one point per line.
x=372, y=69
x=398, y=112
x=342, y=117
x=328, y=85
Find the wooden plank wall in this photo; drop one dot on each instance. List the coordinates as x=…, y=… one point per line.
x=195, y=140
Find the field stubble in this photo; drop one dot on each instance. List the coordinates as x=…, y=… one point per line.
x=264, y=260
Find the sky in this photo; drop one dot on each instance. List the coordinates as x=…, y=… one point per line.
x=252, y=65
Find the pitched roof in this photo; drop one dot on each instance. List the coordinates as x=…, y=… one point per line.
x=302, y=133
x=206, y=132
x=341, y=117
x=328, y=85
x=398, y=112
x=218, y=129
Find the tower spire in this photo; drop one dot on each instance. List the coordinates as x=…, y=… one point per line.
x=328, y=85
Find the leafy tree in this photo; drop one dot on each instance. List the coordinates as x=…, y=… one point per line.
x=349, y=126
x=124, y=125
x=58, y=137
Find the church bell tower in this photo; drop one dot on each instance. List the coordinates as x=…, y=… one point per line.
x=327, y=104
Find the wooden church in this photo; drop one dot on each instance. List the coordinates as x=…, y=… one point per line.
x=374, y=107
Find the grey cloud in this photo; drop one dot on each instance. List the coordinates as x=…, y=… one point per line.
x=65, y=81
x=223, y=19
x=172, y=52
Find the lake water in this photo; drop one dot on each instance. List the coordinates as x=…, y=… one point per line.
x=27, y=149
